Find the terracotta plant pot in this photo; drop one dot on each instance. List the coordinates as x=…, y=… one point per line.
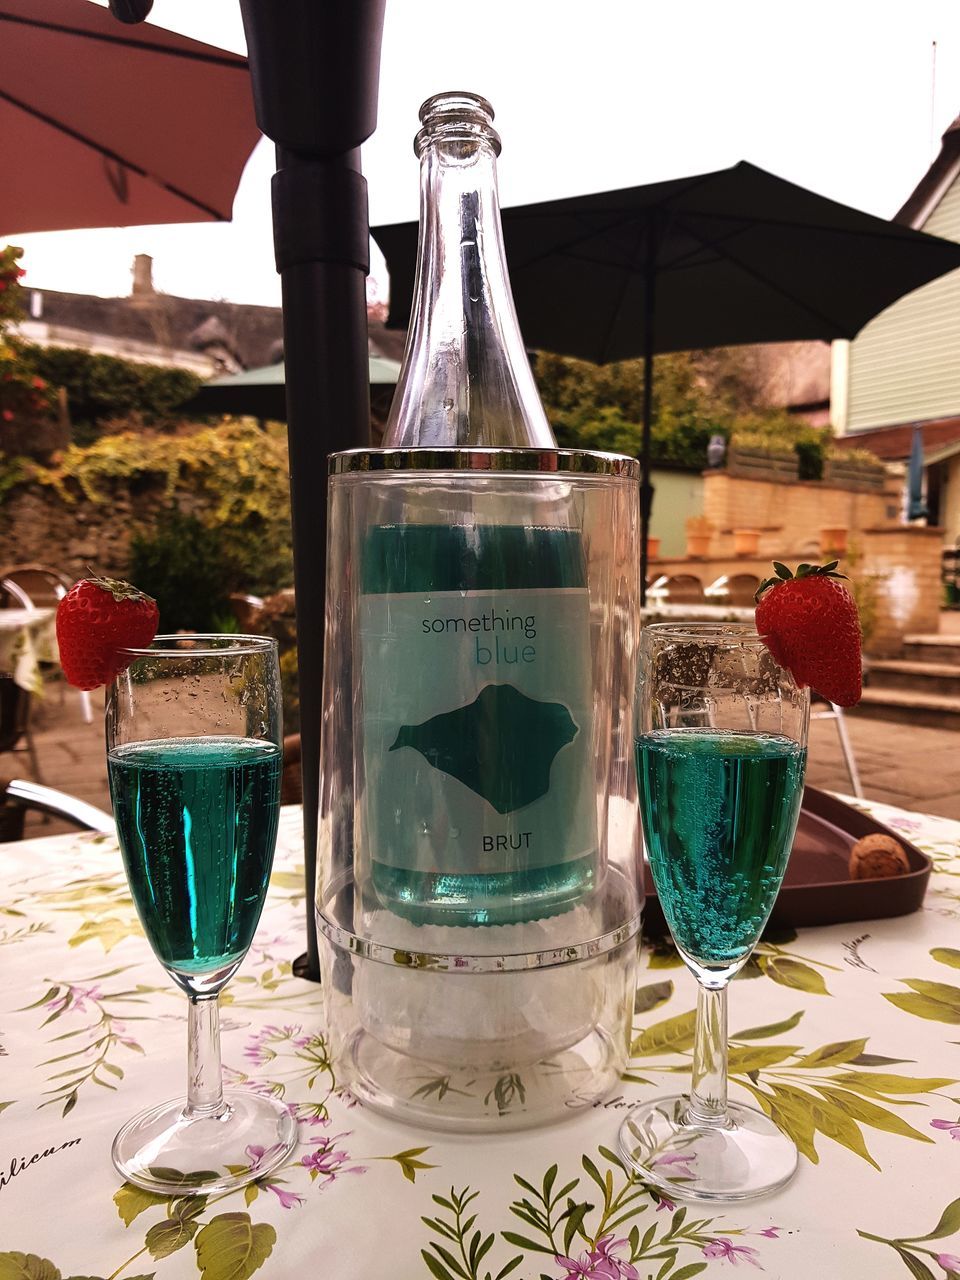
x=698, y=545
x=653, y=548
x=833, y=542
x=746, y=542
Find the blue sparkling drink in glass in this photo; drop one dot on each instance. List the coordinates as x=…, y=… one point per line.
x=720, y=750
x=719, y=810
x=194, y=733
x=197, y=823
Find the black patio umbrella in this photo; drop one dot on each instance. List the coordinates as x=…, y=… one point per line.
x=719, y=259
x=105, y=126
x=262, y=393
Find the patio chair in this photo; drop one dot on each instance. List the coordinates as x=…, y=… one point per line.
x=822, y=709
x=736, y=590
x=741, y=589
x=683, y=588
x=43, y=586
x=38, y=586
x=245, y=609
x=15, y=732
x=18, y=796
x=12, y=596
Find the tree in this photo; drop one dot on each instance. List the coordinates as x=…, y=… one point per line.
x=696, y=395
x=601, y=407
x=27, y=424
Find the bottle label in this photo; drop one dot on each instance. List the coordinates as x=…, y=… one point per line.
x=478, y=729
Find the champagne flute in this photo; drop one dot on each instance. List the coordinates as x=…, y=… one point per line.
x=194, y=758
x=721, y=751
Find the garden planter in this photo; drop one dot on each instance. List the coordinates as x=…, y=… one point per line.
x=699, y=533
x=653, y=548
x=746, y=542
x=854, y=473
x=833, y=541
x=762, y=464
x=698, y=545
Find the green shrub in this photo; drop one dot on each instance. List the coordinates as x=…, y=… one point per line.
x=810, y=458
x=695, y=396
x=100, y=387
x=856, y=457
x=675, y=440
x=234, y=478
x=759, y=442
x=187, y=568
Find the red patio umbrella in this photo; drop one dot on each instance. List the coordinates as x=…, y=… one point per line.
x=172, y=152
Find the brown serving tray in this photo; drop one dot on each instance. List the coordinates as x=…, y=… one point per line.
x=817, y=888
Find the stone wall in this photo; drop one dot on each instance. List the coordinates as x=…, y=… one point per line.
x=37, y=525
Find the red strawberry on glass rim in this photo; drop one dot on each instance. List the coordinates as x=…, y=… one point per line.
x=96, y=620
x=809, y=622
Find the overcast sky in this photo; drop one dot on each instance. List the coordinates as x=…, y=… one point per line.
x=837, y=95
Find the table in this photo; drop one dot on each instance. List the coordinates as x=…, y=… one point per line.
x=854, y=1029
x=27, y=638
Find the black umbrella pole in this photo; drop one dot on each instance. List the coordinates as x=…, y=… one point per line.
x=654, y=229
x=314, y=69
x=325, y=347
x=322, y=243
x=646, y=488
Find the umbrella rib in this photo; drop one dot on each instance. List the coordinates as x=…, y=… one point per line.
x=821, y=316
x=648, y=213
x=563, y=248
x=115, y=156
x=649, y=271
x=883, y=233
x=702, y=243
x=714, y=245
x=890, y=231
x=217, y=59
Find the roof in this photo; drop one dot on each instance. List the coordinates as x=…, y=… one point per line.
x=893, y=443
x=253, y=334
x=942, y=454
x=935, y=183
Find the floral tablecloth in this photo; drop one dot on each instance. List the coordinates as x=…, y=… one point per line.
x=849, y=1035
x=27, y=638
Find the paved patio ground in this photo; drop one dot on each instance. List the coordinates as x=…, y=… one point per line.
x=911, y=767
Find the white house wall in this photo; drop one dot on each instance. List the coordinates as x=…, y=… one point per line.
x=905, y=365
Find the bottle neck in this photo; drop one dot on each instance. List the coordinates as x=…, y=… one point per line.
x=466, y=379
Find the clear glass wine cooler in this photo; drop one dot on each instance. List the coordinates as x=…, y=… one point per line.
x=478, y=892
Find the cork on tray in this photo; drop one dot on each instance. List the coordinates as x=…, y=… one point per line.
x=878, y=857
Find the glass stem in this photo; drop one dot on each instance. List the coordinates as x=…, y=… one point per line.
x=204, y=1079
x=708, y=1090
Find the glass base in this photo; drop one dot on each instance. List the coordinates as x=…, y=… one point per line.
x=433, y=1096
x=744, y=1158
x=165, y=1151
